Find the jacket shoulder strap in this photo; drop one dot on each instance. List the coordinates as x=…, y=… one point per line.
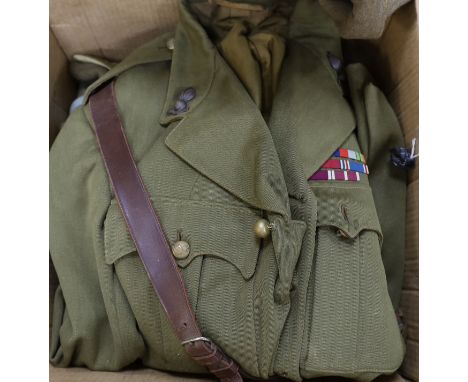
x=150, y=241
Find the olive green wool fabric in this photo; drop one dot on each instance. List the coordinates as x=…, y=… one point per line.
x=312, y=299
x=361, y=19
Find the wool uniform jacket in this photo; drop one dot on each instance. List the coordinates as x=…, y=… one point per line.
x=318, y=295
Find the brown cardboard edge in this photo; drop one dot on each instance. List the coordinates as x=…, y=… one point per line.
x=62, y=88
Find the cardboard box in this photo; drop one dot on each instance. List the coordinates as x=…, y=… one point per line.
x=112, y=29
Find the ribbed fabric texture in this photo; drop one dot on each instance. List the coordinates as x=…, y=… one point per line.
x=310, y=300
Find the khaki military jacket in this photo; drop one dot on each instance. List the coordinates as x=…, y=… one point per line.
x=317, y=296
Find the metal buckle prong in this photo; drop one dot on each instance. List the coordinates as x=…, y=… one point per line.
x=195, y=339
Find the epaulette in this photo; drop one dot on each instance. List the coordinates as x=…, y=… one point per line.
x=157, y=50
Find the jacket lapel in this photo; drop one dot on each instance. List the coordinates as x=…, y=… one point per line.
x=310, y=115
x=226, y=139
x=223, y=134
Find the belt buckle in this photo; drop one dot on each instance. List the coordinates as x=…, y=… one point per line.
x=195, y=339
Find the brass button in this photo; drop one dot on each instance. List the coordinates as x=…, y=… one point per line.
x=181, y=249
x=170, y=44
x=262, y=228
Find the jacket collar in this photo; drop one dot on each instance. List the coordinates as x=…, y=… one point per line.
x=193, y=64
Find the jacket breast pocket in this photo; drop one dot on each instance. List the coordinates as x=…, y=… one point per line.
x=353, y=330
x=218, y=261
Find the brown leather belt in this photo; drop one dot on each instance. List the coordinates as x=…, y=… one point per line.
x=149, y=238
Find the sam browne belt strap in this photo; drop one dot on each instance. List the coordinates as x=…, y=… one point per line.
x=150, y=241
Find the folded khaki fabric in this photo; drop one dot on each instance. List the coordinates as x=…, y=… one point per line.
x=361, y=19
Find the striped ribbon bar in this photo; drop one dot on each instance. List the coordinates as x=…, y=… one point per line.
x=350, y=154
x=344, y=164
x=336, y=175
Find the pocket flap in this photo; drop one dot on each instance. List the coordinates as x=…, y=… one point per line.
x=350, y=210
x=210, y=229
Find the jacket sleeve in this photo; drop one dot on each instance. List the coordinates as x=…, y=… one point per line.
x=378, y=131
x=85, y=327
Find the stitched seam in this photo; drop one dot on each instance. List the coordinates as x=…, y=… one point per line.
x=358, y=244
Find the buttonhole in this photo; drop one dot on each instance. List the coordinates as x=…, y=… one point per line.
x=344, y=212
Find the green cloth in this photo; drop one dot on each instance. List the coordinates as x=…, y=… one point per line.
x=361, y=19
x=311, y=300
